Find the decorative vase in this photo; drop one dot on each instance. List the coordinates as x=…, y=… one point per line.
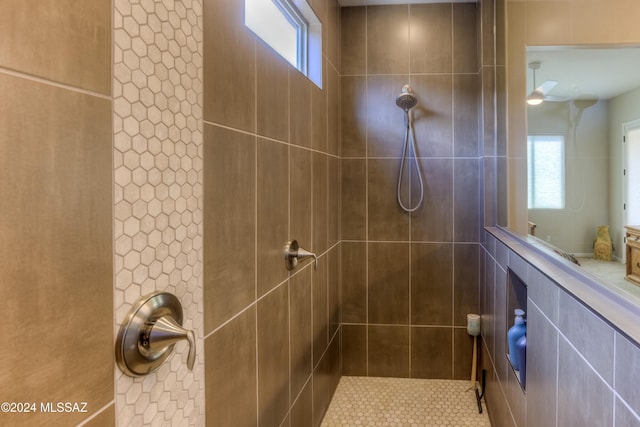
x=602, y=246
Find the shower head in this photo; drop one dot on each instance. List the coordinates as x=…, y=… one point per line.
x=406, y=100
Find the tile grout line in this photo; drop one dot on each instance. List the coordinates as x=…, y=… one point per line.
x=453, y=196
x=56, y=84
x=366, y=191
x=415, y=155
x=255, y=230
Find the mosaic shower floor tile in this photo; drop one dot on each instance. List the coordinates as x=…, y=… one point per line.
x=371, y=401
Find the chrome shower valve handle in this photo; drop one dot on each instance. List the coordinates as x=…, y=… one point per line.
x=164, y=332
x=149, y=333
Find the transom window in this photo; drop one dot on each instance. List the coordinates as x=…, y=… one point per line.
x=292, y=29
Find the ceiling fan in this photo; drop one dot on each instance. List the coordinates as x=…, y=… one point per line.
x=539, y=93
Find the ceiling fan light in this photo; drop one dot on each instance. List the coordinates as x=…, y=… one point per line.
x=535, y=98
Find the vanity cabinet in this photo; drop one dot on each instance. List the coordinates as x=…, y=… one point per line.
x=633, y=253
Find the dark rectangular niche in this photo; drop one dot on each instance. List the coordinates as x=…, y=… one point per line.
x=516, y=298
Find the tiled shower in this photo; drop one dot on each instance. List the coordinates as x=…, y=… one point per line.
x=408, y=281
x=158, y=145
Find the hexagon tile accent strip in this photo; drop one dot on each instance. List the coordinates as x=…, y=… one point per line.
x=372, y=401
x=157, y=89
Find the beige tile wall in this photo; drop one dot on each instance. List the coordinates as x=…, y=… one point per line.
x=409, y=280
x=66, y=42
x=271, y=174
x=158, y=165
x=55, y=232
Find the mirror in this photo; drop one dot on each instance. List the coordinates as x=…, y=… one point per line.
x=579, y=169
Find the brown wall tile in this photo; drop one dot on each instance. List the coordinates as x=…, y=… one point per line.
x=465, y=38
x=320, y=203
x=388, y=351
x=431, y=38
x=501, y=30
x=387, y=39
x=332, y=29
x=488, y=111
x=354, y=282
x=353, y=116
x=273, y=212
x=334, y=265
x=333, y=111
x=334, y=199
x=272, y=88
x=433, y=116
x=438, y=203
x=489, y=192
x=300, y=333
x=466, y=294
x=466, y=200
x=431, y=284
x=300, y=228
x=386, y=219
x=273, y=357
x=320, y=311
x=229, y=74
x=300, y=104
x=487, y=11
x=463, y=354
x=354, y=200
x=353, y=22
x=302, y=409
x=229, y=257
x=325, y=380
x=319, y=119
x=388, y=289
x=320, y=9
x=431, y=352
x=354, y=350
x=501, y=117
x=63, y=41
x=466, y=92
x=502, y=213
x=56, y=246
x=230, y=373
x=385, y=121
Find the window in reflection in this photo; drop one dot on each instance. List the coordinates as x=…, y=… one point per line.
x=545, y=171
x=632, y=175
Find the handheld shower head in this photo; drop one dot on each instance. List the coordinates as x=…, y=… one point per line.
x=406, y=100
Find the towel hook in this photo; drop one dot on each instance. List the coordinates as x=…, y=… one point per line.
x=294, y=253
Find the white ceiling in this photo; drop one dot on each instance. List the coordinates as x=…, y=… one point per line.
x=381, y=2
x=586, y=73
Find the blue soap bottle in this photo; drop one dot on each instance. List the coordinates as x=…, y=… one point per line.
x=515, y=333
x=521, y=350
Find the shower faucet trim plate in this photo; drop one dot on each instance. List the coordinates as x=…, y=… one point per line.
x=149, y=333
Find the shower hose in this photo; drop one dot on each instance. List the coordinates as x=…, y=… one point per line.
x=408, y=136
